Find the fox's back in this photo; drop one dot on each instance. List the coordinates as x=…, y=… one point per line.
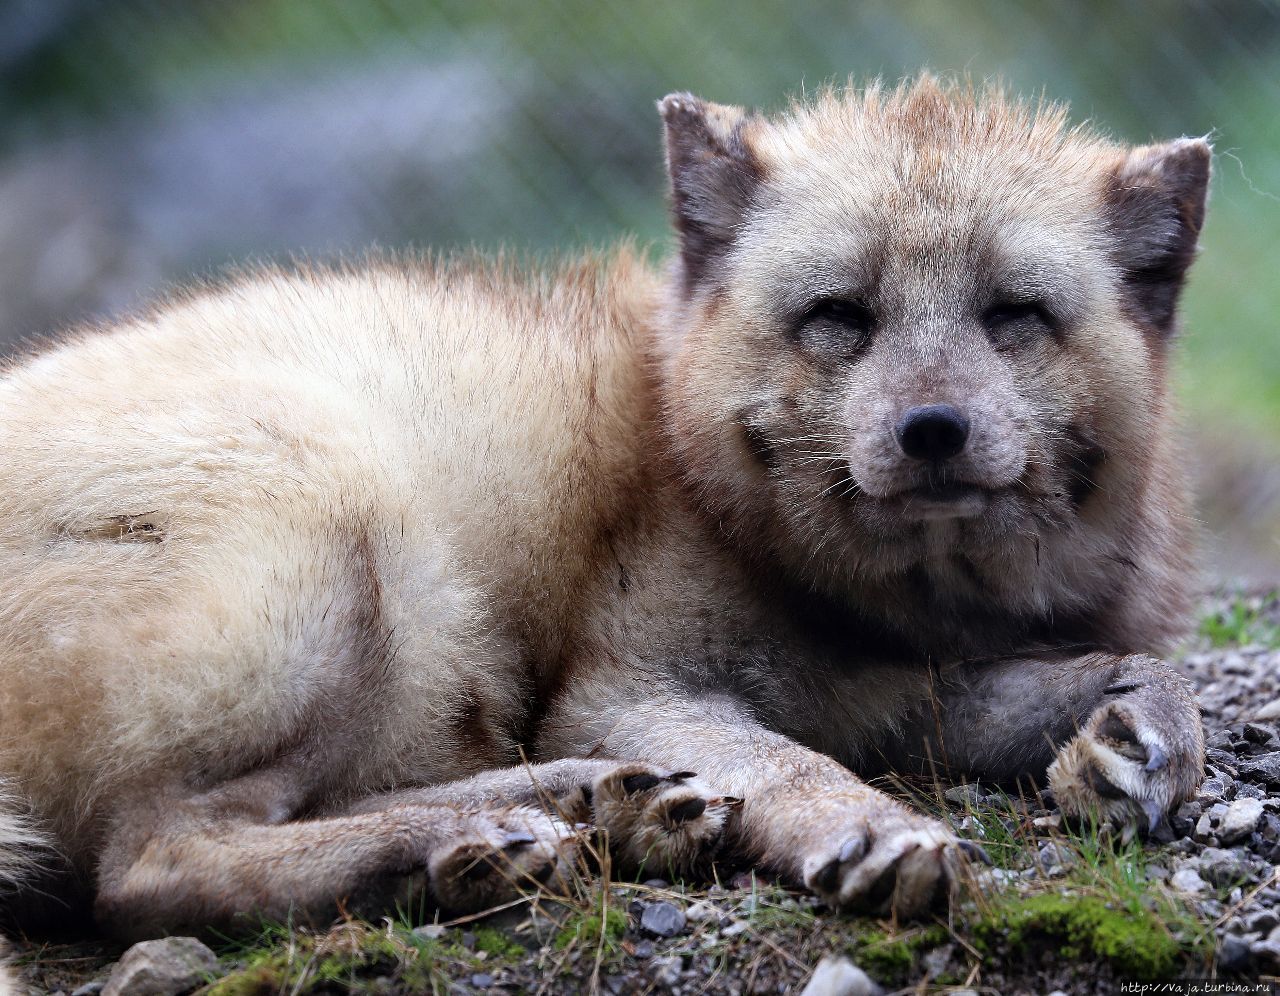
x=303, y=480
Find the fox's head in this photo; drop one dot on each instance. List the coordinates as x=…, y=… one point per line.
x=923, y=334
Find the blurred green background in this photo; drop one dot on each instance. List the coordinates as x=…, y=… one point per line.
x=143, y=142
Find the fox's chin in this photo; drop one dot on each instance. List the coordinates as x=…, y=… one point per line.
x=960, y=501
x=934, y=502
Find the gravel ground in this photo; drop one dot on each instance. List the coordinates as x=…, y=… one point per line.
x=1201, y=899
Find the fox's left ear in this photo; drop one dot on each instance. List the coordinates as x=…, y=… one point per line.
x=714, y=174
x=1155, y=200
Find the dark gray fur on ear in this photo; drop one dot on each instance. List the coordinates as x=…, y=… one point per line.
x=1156, y=203
x=714, y=174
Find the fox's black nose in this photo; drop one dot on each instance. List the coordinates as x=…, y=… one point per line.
x=932, y=432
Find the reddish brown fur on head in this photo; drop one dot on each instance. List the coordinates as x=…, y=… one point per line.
x=873, y=255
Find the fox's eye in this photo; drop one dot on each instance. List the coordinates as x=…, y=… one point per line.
x=1012, y=322
x=856, y=316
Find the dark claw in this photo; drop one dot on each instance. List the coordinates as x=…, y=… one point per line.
x=688, y=810
x=975, y=852
x=682, y=776
x=638, y=783
x=1155, y=814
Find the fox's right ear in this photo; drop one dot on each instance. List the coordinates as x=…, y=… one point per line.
x=1156, y=200
x=714, y=174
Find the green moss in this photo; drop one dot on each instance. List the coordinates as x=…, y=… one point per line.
x=264, y=971
x=590, y=929
x=301, y=963
x=497, y=944
x=1136, y=943
x=894, y=956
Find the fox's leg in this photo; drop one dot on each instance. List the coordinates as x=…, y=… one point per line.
x=655, y=820
x=199, y=861
x=1120, y=737
x=803, y=813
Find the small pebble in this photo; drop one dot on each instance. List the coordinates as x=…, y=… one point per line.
x=662, y=919
x=1258, y=734
x=1263, y=920
x=962, y=795
x=701, y=910
x=836, y=976
x=1239, y=820
x=1234, y=954
x=666, y=971
x=482, y=980
x=1188, y=880
x=165, y=966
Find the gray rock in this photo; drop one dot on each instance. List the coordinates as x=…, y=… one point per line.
x=163, y=967
x=1258, y=734
x=662, y=919
x=1268, y=951
x=1223, y=867
x=482, y=980
x=1240, y=820
x=1188, y=880
x=701, y=910
x=90, y=988
x=1226, y=762
x=1185, y=817
x=1211, y=790
x=935, y=962
x=1234, y=955
x=1219, y=740
x=838, y=976
x=430, y=931
x=1055, y=858
x=962, y=795
x=1263, y=920
x=666, y=971
x=1262, y=768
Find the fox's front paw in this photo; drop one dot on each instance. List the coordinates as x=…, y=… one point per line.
x=660, y=822
x=1139, y=756
x=883, y=858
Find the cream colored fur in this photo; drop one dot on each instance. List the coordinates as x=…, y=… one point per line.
x=298, y=566
x=281, y=438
